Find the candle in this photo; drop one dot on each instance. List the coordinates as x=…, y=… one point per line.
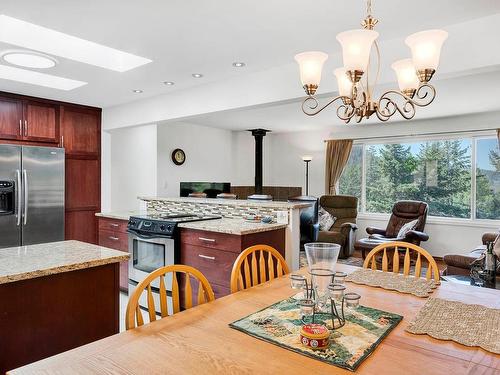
x=352, y=300
x=339, y=277
x=336, y=291
x=306, y=307
x=297, y=281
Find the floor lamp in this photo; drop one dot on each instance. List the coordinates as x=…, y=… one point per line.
x=307, y=159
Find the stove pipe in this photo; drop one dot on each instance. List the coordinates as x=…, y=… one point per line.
x=259, y=134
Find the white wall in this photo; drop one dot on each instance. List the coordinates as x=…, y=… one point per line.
x=132, y=167
x=209, y=155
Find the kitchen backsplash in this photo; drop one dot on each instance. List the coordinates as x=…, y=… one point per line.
x=224, y=210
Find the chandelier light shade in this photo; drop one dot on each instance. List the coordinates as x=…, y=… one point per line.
x=426, y=48
x=311, y=66
x=356, y=84
x=343, y=82
x=356, y=47
x=407, y=76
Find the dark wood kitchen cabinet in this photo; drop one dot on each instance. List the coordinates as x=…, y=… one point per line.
x=29, y=119
x=32, y=121
x=214, y=253
x=113, y=234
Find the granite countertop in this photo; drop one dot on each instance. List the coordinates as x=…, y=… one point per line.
x=235, y=202
x=29, y=262
x=120, y=215
x=231, y=226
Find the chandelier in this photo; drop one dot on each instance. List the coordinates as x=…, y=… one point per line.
x=355, y=85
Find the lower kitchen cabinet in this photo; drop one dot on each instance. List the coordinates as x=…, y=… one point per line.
x=215, y=253
x=113, y=234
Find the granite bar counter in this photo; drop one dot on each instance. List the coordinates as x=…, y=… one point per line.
x=232, y=226
x=55, y=297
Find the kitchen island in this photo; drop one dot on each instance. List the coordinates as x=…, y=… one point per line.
x=54, y=297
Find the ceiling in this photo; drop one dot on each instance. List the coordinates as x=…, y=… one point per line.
x=186, y=36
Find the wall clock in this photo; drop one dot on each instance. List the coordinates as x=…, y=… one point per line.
x=178, y=156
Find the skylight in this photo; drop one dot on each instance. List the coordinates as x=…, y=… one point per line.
x=36, y=78
x=28, y=35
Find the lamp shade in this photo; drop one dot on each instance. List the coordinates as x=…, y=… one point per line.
x=307, y=158
x=356, y=46
x=311, y=65
x=426, y=48
x=406, y=73
x=343, y=81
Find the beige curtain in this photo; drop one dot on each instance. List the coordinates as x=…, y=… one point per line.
x=337, y=154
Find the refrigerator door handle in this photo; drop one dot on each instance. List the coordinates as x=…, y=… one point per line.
x=25, y=180
x=19, y=196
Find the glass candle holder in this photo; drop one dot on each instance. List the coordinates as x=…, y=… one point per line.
x=306, y=307
x=352, y=300
x=297, y=281
x=336, y=291
x=339, y=277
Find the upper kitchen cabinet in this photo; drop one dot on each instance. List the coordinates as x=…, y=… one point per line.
x=27, y=120
x=41, y=121
x=81, y=130
x=11, y=118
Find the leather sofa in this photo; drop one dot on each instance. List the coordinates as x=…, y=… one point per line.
x=309, y=226
x=342, y=232
x=402, y=212
x=457, y=264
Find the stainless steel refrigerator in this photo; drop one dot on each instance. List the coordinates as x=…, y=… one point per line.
x=31, y=195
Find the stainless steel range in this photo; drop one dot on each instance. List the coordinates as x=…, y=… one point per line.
x=153, y=243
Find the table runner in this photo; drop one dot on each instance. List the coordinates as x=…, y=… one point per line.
x=417, y=286
x=469, y=325
x=350, y=345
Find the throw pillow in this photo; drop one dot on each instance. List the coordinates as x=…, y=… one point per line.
x=326, y=219
x=406, y=228
x=496, y=247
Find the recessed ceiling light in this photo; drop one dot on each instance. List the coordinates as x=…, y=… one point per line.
x=239, y=64
x=36, y=78
x=28, y=35
x=169, y=83
x=29, y=59
x=197, y=75
x=138, y=91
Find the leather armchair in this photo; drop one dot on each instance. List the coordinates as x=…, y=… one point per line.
x=402, y=212
x=343, y=231
x=458, y=264
x=309, y=226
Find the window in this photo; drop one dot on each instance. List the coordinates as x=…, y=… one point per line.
x=487, y=179
x=350, y=181
x=437, y=171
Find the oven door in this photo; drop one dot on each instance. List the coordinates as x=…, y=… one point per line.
x=148, y=254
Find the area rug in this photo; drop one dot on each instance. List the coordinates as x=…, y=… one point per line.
x=349, y=346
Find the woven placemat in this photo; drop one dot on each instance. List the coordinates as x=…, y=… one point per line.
x=469, y=325
x=417, y=286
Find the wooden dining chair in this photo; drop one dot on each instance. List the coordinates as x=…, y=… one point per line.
x=256, y=265
x=398, y=248
x=134, y=316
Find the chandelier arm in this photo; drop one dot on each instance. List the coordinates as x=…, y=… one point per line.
x=349, y=112
x=387, y=107
x=424, y=95
x=310, y=104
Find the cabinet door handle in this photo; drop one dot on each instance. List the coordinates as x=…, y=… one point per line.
x=206, y=239
x=20, y=127
x=62, y=141
x=25, y=128
x=113, y=238
x=206, y=257
x=114, y=225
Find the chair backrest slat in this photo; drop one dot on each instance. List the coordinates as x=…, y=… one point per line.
x=242, y=278
x=399, y=249
x=134, y=316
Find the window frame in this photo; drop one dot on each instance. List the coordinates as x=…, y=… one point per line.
x=471, y=136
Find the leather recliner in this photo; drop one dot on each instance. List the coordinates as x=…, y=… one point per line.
x=342, y=232
x=402, y=212
x=309, y=226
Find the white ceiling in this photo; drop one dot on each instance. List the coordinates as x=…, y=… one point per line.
x=455, y=96
x=187, y=36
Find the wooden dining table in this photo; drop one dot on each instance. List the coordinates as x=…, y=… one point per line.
x=199, y=341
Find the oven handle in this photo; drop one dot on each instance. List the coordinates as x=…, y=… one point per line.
x=146, y=236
